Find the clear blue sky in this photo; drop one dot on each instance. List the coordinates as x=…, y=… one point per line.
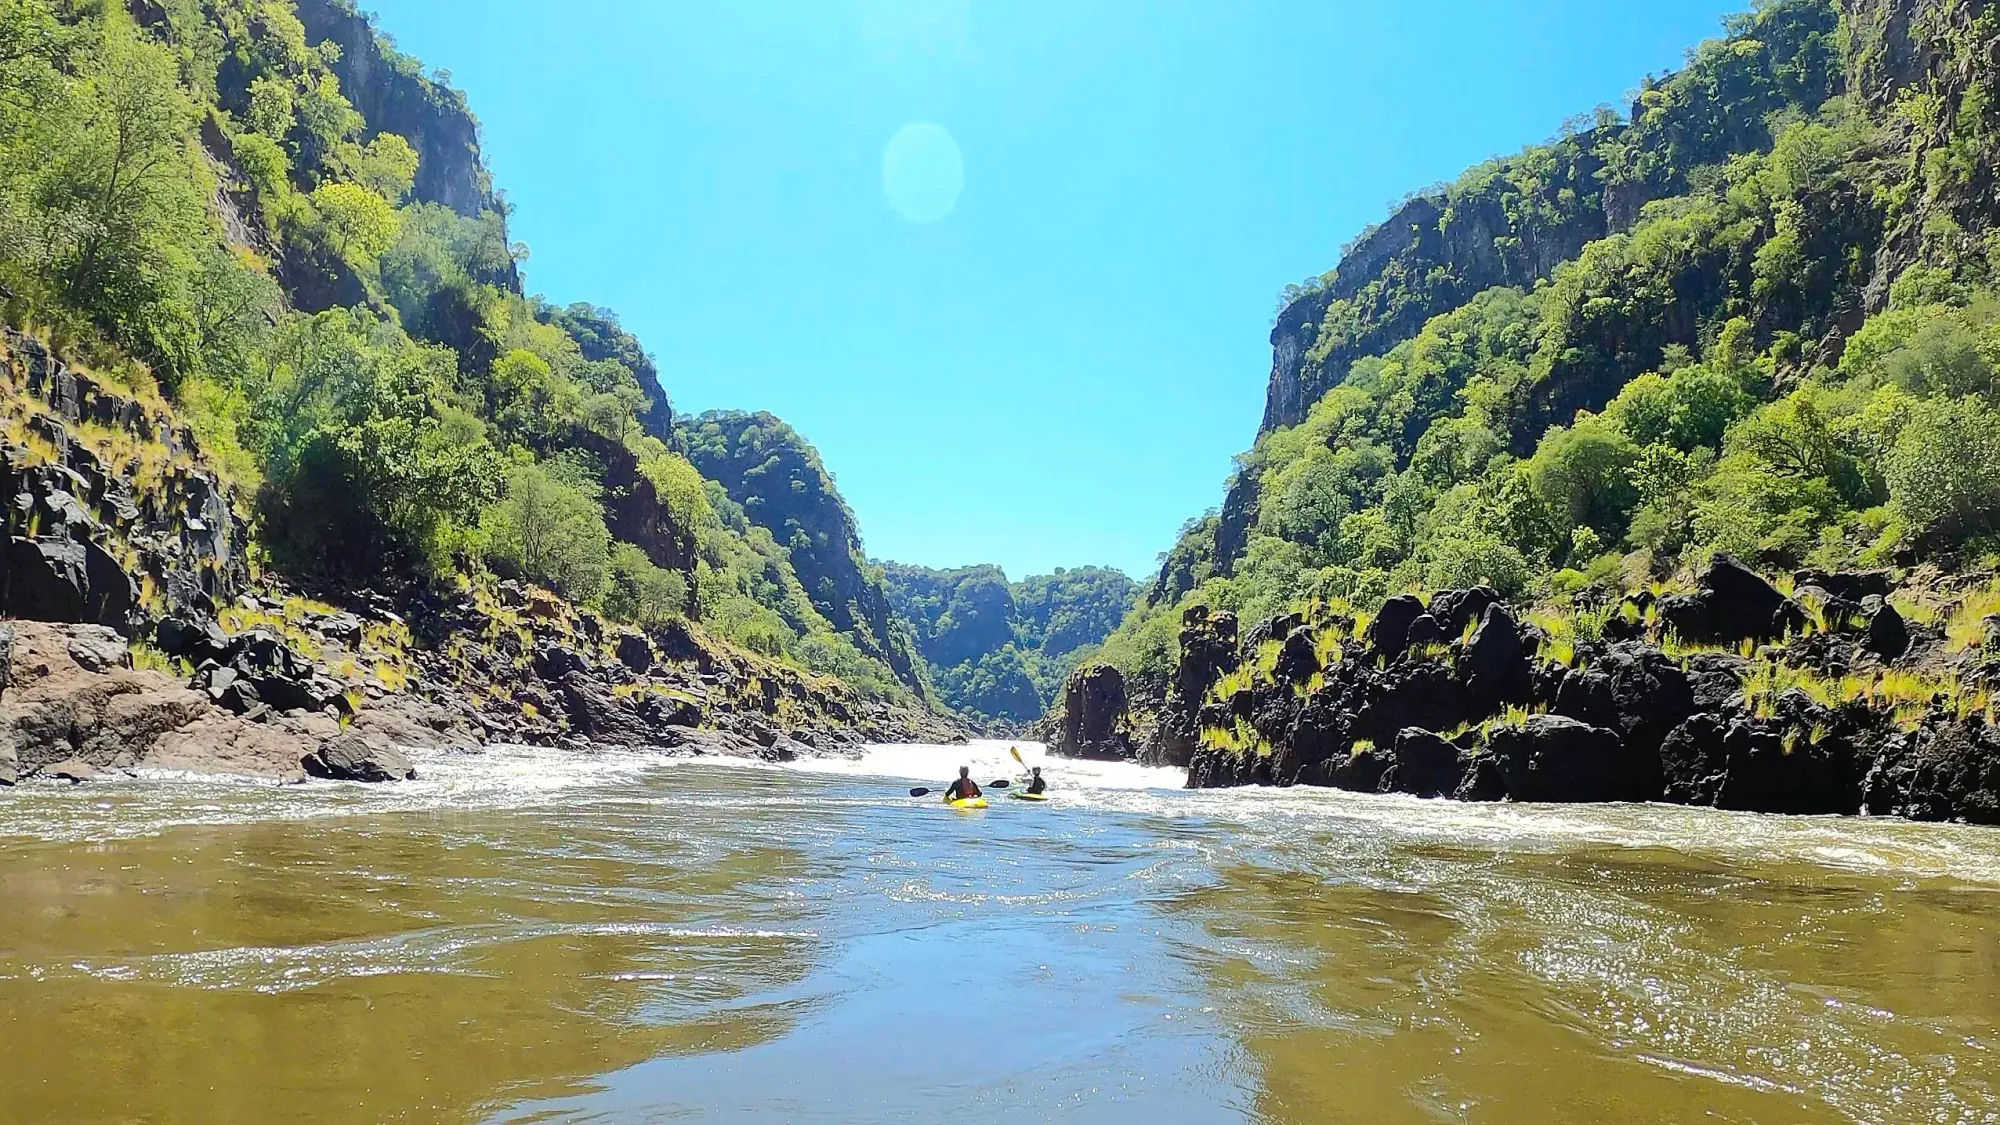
x=1057, y=370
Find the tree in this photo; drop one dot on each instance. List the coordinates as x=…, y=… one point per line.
x=1583, y=474
x=360, y=224
x=550, y=532
x=387, y=166
x=1944, y=472
x=638, y=591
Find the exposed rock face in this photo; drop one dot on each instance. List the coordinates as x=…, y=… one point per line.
x=351, y=758
x=71, y=704
x=633, y=509
x=1208, y=653
x=1633, y=690
x=1426, y=765
x=1627, y=722
x=1942, y=771
x=1558, y=759
x=1092, y=723
x=67, y=521
x=395, y=97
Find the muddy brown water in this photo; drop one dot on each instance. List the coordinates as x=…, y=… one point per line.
x=527, y=936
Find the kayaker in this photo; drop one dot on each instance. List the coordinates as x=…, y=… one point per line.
x=1035, y=783
x=964, y=789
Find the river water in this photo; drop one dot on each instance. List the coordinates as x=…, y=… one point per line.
x=531, y=936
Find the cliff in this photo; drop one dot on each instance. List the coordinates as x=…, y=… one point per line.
x=778, y=479
x=280, y=420
x=1752, y=320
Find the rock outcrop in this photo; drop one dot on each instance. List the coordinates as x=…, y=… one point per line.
x=74, y=706
x=1491, y=718
x=1093, y=721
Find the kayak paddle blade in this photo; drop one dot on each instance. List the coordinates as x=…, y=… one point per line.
x=920, y=792
x=1000, y=784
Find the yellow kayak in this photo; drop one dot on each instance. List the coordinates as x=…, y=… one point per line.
x=1023, y=795
x=968, y=803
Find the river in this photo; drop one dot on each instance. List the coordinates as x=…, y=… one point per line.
x=533, y=936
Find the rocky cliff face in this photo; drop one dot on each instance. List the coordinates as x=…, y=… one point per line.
x=1514, y=221
x=391, y=91
x=1456, y=697
x=113, y=516
x=140, y=637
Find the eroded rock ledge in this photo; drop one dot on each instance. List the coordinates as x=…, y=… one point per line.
x=1733, y=694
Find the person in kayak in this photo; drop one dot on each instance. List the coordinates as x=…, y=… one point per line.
x=1036, y=786
x=964, y=789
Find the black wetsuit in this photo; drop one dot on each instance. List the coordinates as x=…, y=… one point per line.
x=1037, y=785
x=961, y=790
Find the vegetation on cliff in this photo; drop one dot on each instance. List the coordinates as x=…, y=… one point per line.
x=1757, y=317
x=262, y=213
x=1001, y=650
x=822, y=599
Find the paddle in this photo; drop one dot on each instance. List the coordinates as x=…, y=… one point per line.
x=922, y=792
x=1016, y=751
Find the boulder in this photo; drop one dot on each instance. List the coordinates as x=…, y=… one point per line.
x=1425, y=630
x=98, y=648
x=1360, y=772
x=1425, y=765
x=1715, y=679
x=1851, y=587
x=1389, y=633
x=553, y=662
x=635, y=652
x=76, y=771
x=1888, y=634
x=1480, y=778
x=1694, y=763
x=598, y=714
x=1686, y=616
x=195, y=640
x=1741, y=605
x=1298, y=660
x=1494, y=665
x=1456, y=609
x=1553, y=758
x=353, y=758
x=273, y=672
x=62, y=580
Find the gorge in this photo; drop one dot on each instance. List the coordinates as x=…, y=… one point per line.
x=1580, y=706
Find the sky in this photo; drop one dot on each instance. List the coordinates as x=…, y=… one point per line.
x=1011, y=265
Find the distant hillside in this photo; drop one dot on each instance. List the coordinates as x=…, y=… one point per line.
x=1000, y=650
x=774, y=477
